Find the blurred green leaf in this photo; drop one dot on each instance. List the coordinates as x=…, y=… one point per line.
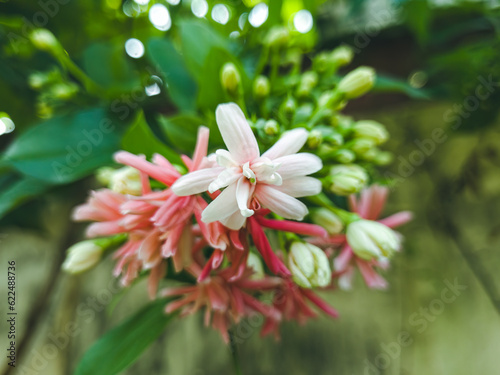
x=139, y=139
x=181, y=130
x=121, y=346
x=19, y=192
x=389, y=84
x=171, y=66
x=66, y=148
x=418, y=16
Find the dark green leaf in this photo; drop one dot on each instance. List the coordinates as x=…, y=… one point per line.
x=171, y=66
x=19, y=192
x=389, y=84
x=66, y=148
x=121, y=346
x=181, y=130
x=139, y=139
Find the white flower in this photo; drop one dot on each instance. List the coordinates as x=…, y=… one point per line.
x=275, y=179
x=82, y=256
x=372, y=240
x=309, y=265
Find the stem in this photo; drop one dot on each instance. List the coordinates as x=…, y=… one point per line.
x=234, y=353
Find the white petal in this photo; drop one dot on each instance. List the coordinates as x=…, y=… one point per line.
x=242, y=195
x=289, y=143
x=235, y=221
x=298, y=165
x=227, y=177
x=280, y=203
x=236, y=133
x=224, y=159
x=222, y=206
x=195, y=182
x=300, y=186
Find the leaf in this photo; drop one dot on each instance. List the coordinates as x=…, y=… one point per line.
x=389, y=84
x=139, y=139
x=170, y=65
x=66, y=148
x=181, y=130
x=418, y=17
x=19, y=192
x=122, y=345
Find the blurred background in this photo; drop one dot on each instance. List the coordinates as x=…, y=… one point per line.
x=438, y=94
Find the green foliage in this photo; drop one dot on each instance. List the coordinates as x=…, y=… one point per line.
x=121, y=346
x=20, y=191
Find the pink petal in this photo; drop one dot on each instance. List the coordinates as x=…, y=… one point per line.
x=162, y=174
x=397, y=219
x=289, y=143
x=236, y=132
x=280, y=203
x=298, y=165
x=293, y=227
x=195, y=182
x=201, y=148
x=300, y=186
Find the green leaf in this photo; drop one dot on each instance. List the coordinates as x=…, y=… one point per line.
x=389, y=84
x=181, y=130
x=418, y=17
x=121, y=346
x=171, y=65
x=66, y=148
x=139, y=139
x=19, y=192
x=198, y=39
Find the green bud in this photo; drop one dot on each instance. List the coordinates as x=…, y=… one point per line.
x=345, y=156
x=328, y=220
x=288, y=107
x=321, y=62
x=37, y=80
x=43, y=39
x=308, y=81
x=370, y=154
x=309, y=265
x=357, y=82
x=342, y=55
x=383, y=158
x=360, y=146
x=314, y=139
x=277, y=37
x=347, y=179
x=230, y=78
x=6, y=124
x=271, y=127
x=261, y=87
x=64, y=91
x=371, y=130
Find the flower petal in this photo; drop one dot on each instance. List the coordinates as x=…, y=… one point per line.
x=280, y=203
x=222, y=206
x=195, y=182
x=289, y=143
x=227, y=177
x=298, y=165
x=235, y=221
x=243, y=188
x=236, y=132
x=300, y=186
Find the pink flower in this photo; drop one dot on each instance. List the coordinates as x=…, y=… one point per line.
x=272, y=180
x=369, y=206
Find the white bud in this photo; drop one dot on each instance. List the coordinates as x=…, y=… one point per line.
x=43, y=39
x=372, y=240
x=126, y=180
x=371, y=130
x=6, y=124
x=342, y=55
x=82, y=256
x=357, y=82
x=254, y=262
x=309, y=265
x=347, y=179
x=328, y=220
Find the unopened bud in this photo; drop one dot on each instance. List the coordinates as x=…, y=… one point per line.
x=261, y=87
x=314, y=139
x=309, y=265
x=271, y=127
x=328, y=220
x=64, y=91
x=6, y=124
x=277, y=37
x=43, y=39
x=347, y=179
x=383, y=158
x=357, y=82
x=372, y=240
x=372, y=130
x=230, y=78
x=361, y=146
x=82, y=256
x=126, y=180
x=342, y=55
x=345, y=156
x=308, y=81
x=255, y=263
x=288, y=107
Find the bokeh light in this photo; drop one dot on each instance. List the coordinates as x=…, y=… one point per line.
x=220, y=14
x=174, y=2
x=199, y=8
x=142, y=2
x=258, y=15
x=6, y=125
x=303, y=21
x=155, y=87
x=134, y=48
x=160, y=17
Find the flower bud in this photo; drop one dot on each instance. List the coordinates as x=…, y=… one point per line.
x=126, y=180
x=271, y=127
x=309, y=265
x=357, y=82
x=328, y=220
x=82, y=256
x=345, y=156
x=6, y=124
x=255, y=263
x=347, y=179
x=308, y=81
x=64, y=91
x=314, y=139
x=342, y=55
x=261, y=87
x=372, y=240
x=230, y=78
x=278, y=37
x=321, y=62
x=372, y=130
x=360, y=146
x=288, y=107
x=43, y=39
x=383, y=158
